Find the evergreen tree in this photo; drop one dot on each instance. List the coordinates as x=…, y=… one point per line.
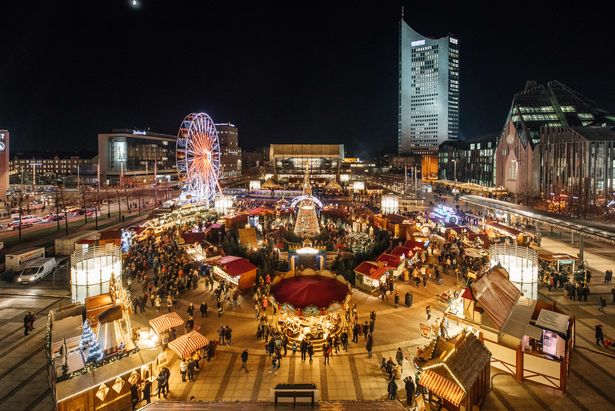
x=88, y=343
x=95, y=353
x=87, y=336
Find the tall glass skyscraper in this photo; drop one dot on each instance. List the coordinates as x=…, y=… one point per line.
x=428, y=91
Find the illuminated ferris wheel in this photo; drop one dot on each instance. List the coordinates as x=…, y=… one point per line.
x=198, y=157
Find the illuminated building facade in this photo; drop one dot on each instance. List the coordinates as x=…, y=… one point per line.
x=468, y=161
x=517, y=156
x=4, y=163
x=134, y=155
x=578, y=162
x=293, y=160
x=47, y=168
x=230, y=152
x=428, y=109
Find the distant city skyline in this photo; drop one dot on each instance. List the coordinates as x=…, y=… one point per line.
x=328, y=74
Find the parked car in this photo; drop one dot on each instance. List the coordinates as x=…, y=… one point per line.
x=15, y=226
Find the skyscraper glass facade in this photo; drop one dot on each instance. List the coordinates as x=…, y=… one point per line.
x=428, y=92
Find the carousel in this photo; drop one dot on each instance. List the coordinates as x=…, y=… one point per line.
x=310, y=305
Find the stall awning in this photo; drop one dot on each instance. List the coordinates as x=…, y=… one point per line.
x=166, y=322
x=442, y=387
x=187, y=344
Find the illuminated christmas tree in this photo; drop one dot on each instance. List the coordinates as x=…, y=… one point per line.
x=88, y=343
x=306, y=223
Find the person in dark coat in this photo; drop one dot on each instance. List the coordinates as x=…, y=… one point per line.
x=409, y=386
x=147, y=391
x=191, y=367
x=244, y=359
x=392, y=389
x=26, y=324
x=134, y=396
x=203, y=309
x=599, y=335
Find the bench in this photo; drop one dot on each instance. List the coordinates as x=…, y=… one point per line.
x=294, y=395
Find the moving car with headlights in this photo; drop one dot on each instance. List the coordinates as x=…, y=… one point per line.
x=36, y=270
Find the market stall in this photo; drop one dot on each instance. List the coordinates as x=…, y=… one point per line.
x=188, y=344
x=454, y=373
x=238, y=271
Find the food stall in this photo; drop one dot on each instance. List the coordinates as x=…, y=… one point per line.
x=369, y=275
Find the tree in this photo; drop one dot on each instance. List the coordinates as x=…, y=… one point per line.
x=88, y=342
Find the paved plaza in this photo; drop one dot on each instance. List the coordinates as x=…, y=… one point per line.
x=351, y=376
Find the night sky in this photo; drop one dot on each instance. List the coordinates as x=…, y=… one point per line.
x=303, y=72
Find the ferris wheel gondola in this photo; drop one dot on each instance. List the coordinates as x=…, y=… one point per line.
x=198, y=157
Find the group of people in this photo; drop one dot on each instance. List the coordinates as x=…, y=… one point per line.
x=187, y=367
x=28, y=323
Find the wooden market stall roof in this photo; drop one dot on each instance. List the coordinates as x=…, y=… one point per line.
x=496, y=294
x=247, y=237
x=371, y=269
x=451, y=367
x=235, y=266
x=111, y=371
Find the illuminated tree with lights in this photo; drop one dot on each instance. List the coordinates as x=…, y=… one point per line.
x=88, y=343
x=306, y=223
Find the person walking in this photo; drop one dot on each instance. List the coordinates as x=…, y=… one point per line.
x=369, y=345
x=134, y=395
x=399, y=357
x=183, y=369
x=310, y=350
x=613, y=294
x=191, y=367
x=392, y=389
x=169, y=302
x=428, y=312
x=599, y=335
x=409, y=386
x=244, y=360
x=602, y=304
x=303, y=346
x=344, y=339
x=326, y=352
x=396, y=299
x=26, y=324
x=355, y=332
x=228, y=334
x=147, y=391
x=191, y=310
x=203, y=309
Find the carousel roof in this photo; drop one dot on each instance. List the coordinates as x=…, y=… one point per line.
x=303, y=291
